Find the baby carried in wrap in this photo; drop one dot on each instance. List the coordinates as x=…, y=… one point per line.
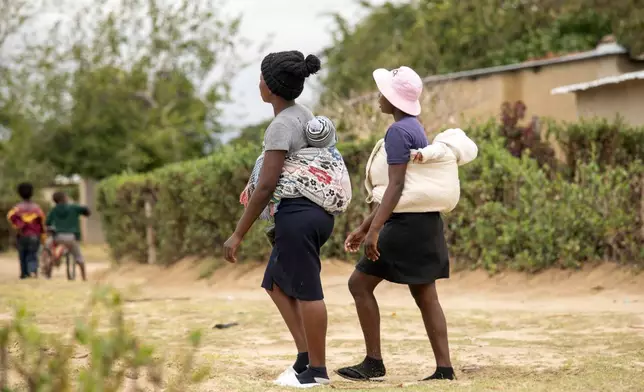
x=431, y=181
x=317, y=173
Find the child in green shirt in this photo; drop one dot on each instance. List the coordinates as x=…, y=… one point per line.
x=64, y=219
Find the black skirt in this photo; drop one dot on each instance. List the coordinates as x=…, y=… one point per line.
x=412, y=249
x=301, y=229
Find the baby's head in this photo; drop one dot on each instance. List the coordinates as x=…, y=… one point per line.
x=320, y=132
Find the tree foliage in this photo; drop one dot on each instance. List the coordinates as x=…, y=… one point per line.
x=111, y=128
x=126, y=85
x=440, y=36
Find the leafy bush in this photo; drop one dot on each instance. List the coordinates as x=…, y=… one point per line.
x=121, y=204
x=515, y=214
x=516, y=210
x=604, y=142
x=524, y=139
x=42, y=362
x=197, y=206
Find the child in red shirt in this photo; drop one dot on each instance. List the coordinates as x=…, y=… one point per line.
x=29, y=221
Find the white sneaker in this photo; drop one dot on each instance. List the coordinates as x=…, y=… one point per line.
x=285, y=374
x=292, y=381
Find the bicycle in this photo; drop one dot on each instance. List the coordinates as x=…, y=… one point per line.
x=53, y=254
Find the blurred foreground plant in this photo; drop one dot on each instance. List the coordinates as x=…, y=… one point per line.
x=42, y=362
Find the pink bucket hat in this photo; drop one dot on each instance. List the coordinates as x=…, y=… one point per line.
x=402, y=87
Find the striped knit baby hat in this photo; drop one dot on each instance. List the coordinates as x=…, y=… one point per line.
x=320, y=132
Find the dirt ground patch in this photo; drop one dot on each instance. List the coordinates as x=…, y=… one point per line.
x=557, y=331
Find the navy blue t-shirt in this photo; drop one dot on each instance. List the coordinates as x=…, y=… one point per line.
x=402, y=137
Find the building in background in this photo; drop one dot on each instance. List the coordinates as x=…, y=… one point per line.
x=478, y=94
x=609, y=97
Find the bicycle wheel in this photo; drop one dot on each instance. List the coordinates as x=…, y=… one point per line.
x=71, y=267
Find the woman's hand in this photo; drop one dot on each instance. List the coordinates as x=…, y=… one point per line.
x=371, y=245
x=230, y=248
x=354, y=240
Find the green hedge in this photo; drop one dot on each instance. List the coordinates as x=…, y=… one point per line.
x=512, y=214
x=197, y=206
x=516, y=214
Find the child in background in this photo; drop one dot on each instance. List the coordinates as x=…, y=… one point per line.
x=64, y=219
x=29, y=221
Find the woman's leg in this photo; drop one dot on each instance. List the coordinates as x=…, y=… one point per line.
x=291, y=313
x=426, y=298
x=362, y=287
x=300, y=231
x=314, y=316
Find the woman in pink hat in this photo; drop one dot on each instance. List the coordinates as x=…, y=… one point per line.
x=404, y=242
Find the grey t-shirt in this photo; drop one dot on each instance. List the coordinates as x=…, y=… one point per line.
x=287, y=130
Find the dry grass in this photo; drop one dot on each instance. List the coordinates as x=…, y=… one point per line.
x=92, y=253
x=582, y=344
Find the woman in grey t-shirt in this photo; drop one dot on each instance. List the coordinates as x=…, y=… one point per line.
x=292, y=277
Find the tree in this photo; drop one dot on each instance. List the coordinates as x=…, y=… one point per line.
x=111, y=129
x=440, y=36
x=17, y=161
x=118, y=86
x=14, y=15
x=17, y=132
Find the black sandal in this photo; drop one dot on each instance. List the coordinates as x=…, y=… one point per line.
x=442, y=374
x=362, y=372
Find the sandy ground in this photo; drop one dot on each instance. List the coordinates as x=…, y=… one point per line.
x=556, y=331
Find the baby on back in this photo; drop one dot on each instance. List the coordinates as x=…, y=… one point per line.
x=320, y=132
x=316, y=172
x=431, y=180
x=452, y=141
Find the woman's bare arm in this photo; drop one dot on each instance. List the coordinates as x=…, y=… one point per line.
x=389, y=201
x=268, y=178
x=391, y=197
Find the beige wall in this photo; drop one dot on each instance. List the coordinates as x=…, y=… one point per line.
x=449, y=103
x=625, y=99
x=91, y=227
x=537, y=84
x=486, y=94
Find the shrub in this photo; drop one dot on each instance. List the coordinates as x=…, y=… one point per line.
x=197, y=206
x=42, y=362
x=516, y=211
x=608, y=143
x=520, y=140
x=121, y=204
x=514, y=214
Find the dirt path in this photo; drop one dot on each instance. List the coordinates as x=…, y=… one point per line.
x=557, y=331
